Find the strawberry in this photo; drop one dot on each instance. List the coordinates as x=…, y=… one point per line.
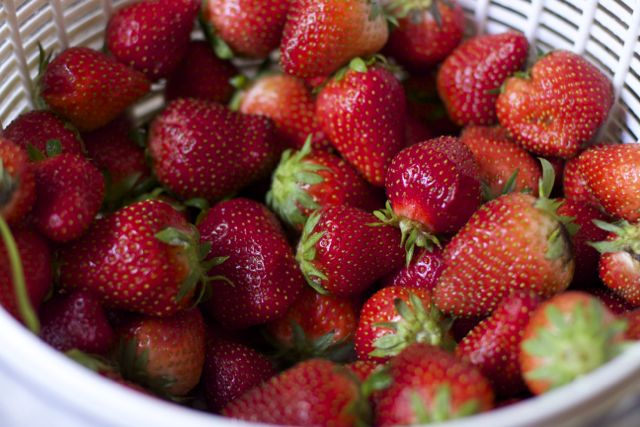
x=70, y=191
x=469, y=77
x=36, y=128
x=305, y=181
x=164, y=354
x=430, y=385
x=616, y=186
x=231, y=369
x=567, y=337
x=343, y=251
x=152, y=36
x=574, y=186
x=633, y=324
x=17, y=182
x=250, y=28
x=287, y=101
x=423, y=272
x=202, y=149
x=76, y=320
x=201, y=74
x=81, y=79
x=322, y=35
x=494, y=344
x=394, y=318
x=362, y=368
x=313, y=393
x=557, y=106
x=499, y=159
x=614, y=302
x=513, y=242
x=143, y=258
x=263, y=279
x=425, y=106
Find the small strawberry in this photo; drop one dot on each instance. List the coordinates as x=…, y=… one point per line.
x=313, y=393
x=89, y=88
x=17, y=182
x=343, y=251
x=557, y=106
x=263, y=279
x=322, y=35
x=567, y=337
x=574, y=186
x=633, y=324
x=614, y=302
x=430, y=385
x=423, y=272
x=36, y=128
x=470, y=76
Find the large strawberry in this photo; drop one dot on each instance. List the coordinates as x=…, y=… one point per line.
x=470, y=77
x=423, y=272
x=363, y=114
x=37, y=128
x=17, y=182
x=557, y=106
x=574, y=185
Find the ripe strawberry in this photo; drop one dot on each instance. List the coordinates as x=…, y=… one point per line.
x=567, y=337
x=287, y=101
x=17, y=182
x=152, y=36
x=322, y=35
x=633, y=324
x=201, y=74
x=164, y=354
x=143, y=258
x=469, y=77
x=362, y=368
x=250, y=28
x=499, y=158
x=36, y=128
x=343, y=251
x=313, y=393
x=494, y=344
x=81, y=79
x=364, y=116
x=76, y=320
x=557, y=106
x=202, y=149
x=430, y=385
x=70, y=191
x=616, y=186
x=264, y=277
x=614, y=302
x=513, y=242
x=574, y=186
x=423, y=272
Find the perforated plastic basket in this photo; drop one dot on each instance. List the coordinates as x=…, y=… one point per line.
x=40, y=387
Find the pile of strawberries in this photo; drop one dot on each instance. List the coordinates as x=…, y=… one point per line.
x=343, y=239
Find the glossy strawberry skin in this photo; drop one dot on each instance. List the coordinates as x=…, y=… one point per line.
x=21, y=194
x=620, y=272
x=474, y=70
x=574, y=185
x=614, y=302
x=36, y=128
x=423, y=272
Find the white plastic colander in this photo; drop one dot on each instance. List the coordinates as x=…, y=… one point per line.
x=41, y=387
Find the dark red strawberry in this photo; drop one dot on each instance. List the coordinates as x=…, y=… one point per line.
x=362, y=368
x=425, y=106
x=614, y=302
x=320, y=36
x=633, y=324
x=313, y=393
x=152, y=36
x=17, y=182
x=343, y=250
x=201, y=74
x=423, y=272
x=557, y=106
x=263, y=279
x=461, y=326
x=430, y=385
x=89, y=88
x=470, y=77
x=202, y=149
x=36, y=128
x=574, y=185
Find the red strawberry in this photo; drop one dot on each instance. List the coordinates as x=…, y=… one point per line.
x=250, y=28
x=76, y=320
x=430, y=385
x=614, y=302
x=616, y=186
x=231, y=369
x=343, y=251
x=633, y=324
x=143, y=258
x=89, y=88
x=152, y=36
x=201, y=74
x=499, y=158
x=470, y=76
x=70, y=191
x=164, y=354
x=313, y=393
x=288, y=101
x=424, y=105
x=264, y=277
x=363, y=114
x=362, y=368
x=322, y=35
x=17, y=182
x=574, y=185
x=567, y=337
x=423, y=272
x=494, y=345
x=202, y=149
x=513, y=242
x=305, y=181
x=557, y=106
x=36, y=128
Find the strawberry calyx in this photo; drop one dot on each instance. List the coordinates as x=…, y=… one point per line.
x=442, y=408
x=358, y=407
x=53, y=148
x=90, y=361
x=219, y=46
x=628, y=238
x=44, y=58
x=306, y=254
x=400, y=9
x=507, y=188
x=362, y=65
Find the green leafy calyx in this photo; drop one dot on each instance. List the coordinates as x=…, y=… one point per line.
x=628, y=237
x=306, y=254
